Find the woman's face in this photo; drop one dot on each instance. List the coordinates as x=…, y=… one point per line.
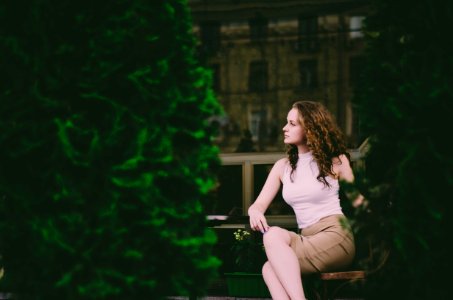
x=293, y=131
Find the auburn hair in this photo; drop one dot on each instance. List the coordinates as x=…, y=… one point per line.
x=323, y=137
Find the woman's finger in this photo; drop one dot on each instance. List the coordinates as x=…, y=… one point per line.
x=264, y=224
x=259, y=226
x=253, y=225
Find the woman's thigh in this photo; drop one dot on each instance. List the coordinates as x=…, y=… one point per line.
x=330, y=248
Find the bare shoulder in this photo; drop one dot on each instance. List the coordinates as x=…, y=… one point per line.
x=342, y=167
x=342, y=159
x=280, y=165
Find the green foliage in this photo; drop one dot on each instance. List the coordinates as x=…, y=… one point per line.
x=248, y=251
x=405, y=102
x=105, y=158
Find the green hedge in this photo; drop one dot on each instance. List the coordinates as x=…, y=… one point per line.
x=405, y=103
x=105, y=152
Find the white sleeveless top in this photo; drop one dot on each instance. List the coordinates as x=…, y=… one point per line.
x=309, y=198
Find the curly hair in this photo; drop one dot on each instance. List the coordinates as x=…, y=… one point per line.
x=323, y=138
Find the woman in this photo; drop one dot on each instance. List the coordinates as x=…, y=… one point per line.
x=317, y=160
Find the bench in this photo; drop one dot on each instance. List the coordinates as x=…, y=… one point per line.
x=345, y=285
x=332, y=283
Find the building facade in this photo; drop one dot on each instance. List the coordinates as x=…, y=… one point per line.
x=264, y=55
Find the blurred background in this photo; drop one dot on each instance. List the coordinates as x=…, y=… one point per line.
x=265, y=55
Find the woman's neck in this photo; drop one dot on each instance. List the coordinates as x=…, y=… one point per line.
x=303, y=149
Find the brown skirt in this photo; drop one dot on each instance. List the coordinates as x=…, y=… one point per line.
x=327, y=245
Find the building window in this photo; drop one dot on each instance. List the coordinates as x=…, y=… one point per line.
x=256, y=124
x=356, y=26
x=308, y=70
x=258, y=76
x=227, y=198
x=258, y=29
x=210, y=36
x=215, y=68
x=308, y=33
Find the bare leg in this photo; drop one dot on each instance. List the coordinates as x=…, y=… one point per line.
x=284, y=261
x=273, y=283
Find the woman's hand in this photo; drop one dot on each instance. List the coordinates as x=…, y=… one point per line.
x=267, y=194
x=359, y=201
x=258, y=221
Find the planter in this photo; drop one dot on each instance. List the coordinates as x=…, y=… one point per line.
x=246, y=285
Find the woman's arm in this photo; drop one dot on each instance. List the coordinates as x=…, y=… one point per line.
x=270, y=189
x=344, y=171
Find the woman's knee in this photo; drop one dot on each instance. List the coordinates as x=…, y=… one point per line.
x=275, y=235
x=267, y=270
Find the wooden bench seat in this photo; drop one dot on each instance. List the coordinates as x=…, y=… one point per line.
x=347, y=275
x=334, y=283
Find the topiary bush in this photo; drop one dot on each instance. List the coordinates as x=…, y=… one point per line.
x=405, y=103
x=106, y=157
